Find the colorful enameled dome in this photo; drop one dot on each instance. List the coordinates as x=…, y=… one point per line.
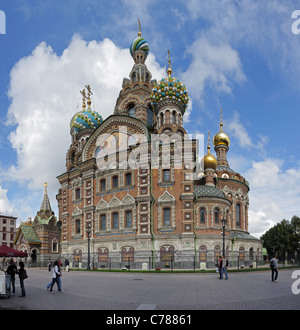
x=169, y=88
x=86, y=119
x=139, y=44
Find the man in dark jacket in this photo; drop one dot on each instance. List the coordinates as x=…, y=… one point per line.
x=223, y=268
x=12, y=270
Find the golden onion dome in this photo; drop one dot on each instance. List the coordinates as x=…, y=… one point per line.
x=209, y=160
x=221, y=138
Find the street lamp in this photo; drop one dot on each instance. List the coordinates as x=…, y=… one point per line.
x=88, y=231
x=223, y=221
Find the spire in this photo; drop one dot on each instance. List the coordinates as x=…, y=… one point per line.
x=140, y=33
x=45, y=203
x=208, y=142
x=169, y=71
x=221, y=138
x=221, y=121
x=83, y=98
x=88, y=87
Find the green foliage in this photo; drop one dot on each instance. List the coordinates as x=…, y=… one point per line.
x=283, y=237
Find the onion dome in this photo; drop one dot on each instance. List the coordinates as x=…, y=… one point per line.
x=139, y=43
x=87, y=118
x=209, y=160
x=221, y=138
x=169, y=88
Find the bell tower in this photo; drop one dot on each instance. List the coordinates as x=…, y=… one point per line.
x=169, y=99
x=134, y=98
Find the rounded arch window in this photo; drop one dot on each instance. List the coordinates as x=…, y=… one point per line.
x=149, y=116
x=202, y=215
x=216, y=216
x=238, y=215
x=131, y=110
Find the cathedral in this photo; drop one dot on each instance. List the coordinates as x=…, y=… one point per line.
x=136, y=191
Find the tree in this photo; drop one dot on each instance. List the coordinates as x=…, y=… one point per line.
x=282, y=238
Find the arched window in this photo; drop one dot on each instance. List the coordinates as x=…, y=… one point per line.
x=202, y=215
x=131, y=110
x=166, y=175
x=174, y=117
x=115, y=220
x=149, y=116
x=167, y=216
x=238, y=215
x=217, y=216
x=128, y=219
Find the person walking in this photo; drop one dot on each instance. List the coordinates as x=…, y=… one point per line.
x=22, y=276
x=223, y=268
x=219, y=266
x=274, y=268
x=67, y=265
x=55, y=276
x=49, y=265
x=12, y=270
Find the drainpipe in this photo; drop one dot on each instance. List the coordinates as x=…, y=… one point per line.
x=194, y=229
x=151, y=224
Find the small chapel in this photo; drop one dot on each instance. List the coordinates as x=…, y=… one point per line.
x=40, y=238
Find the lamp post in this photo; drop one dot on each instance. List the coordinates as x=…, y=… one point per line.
x=88, y=231
x=223, y=221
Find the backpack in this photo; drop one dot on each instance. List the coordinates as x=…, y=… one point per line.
x=272, y=264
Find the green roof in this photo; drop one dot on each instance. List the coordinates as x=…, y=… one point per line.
x=238, y=234
x=30, y=234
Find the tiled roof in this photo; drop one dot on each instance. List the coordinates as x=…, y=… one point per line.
x=207, y=191
x=30, y=234
x=46, y=203
x=243, y=235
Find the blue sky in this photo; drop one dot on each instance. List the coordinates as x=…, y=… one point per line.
x=241, y=56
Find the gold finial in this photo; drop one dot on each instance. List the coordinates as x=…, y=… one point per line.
x=140, y=33
x=83, y=98
x=45, y=185
x=169, y=71
x=221, y=120
x=208, y=142
x=88, y=87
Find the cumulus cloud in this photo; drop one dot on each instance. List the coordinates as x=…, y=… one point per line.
x=5, y=205
x=44, y=91
x=274, y=194
x=214, y=64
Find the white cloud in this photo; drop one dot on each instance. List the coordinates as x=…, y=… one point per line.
x=263, y=26
x=215, y=64
x=237, y=130
x=274, y=194
x=44, y=91
x=5, y=206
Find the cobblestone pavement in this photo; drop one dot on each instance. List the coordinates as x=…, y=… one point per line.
x=158, y=291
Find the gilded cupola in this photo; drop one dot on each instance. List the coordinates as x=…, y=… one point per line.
x=221, y=138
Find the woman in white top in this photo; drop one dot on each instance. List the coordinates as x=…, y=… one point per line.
x=55, y=275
